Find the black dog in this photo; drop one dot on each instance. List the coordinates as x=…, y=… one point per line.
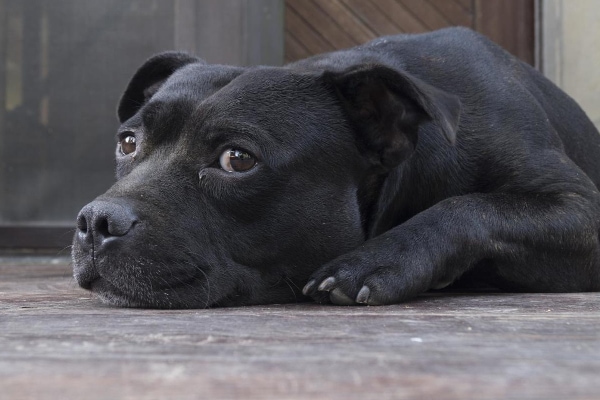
x=367, y=175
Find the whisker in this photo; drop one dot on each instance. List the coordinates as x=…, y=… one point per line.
x=207, y=290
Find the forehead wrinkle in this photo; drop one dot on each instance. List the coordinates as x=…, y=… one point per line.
x=286, y=116
x=163, y=120
x=150, y=113
x=245, y=130
x=188, y=89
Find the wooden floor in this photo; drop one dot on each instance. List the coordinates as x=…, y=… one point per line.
x=56, y=342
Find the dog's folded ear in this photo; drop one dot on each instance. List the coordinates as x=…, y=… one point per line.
x=149, y=78
x=386, y=107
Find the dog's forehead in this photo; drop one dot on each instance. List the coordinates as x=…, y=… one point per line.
x=270, y=86
x=198, y=80
x=180, y=95
x=277, y=107
x=272, y=106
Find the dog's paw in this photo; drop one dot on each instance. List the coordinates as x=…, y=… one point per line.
x=327, y=291
x=355, y=279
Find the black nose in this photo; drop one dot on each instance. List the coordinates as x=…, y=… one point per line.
x=102, y=221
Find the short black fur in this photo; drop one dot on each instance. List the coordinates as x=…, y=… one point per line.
x=410, y=163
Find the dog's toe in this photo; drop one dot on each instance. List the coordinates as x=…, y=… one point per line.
x=327, y=285
x=363, y=295
x=309, y=288
x=327, y=288
x=361, y=284
x=337, y=297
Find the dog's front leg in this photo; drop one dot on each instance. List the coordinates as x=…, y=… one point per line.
x=534, y=242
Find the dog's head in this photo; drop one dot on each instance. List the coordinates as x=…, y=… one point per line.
x=235, y=184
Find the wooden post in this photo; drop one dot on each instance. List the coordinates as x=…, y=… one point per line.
x=240, y=32
x=3, y=34
x=510, y=23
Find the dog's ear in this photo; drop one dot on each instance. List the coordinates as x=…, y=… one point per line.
x=387, y=106
x=148, y=79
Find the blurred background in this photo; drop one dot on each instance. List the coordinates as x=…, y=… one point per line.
x=64, y=63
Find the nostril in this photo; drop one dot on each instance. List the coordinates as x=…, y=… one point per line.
x=116, y=224
x=102, y=227
x=82, y=223
x=101, y=220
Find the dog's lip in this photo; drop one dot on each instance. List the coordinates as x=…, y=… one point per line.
x=89, y=285
x=101, y=284
x=143, y=297
x=110, y=294
x=85, y=275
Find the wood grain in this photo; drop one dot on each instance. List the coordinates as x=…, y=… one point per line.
x=326, y=25
x=58, y=342
x=510, y=24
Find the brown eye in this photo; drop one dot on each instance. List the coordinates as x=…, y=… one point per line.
x=233, y=160
x=127, y=144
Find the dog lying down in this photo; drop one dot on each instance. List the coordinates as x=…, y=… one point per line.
x=362, y=176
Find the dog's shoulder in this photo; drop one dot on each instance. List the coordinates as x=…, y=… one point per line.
x=444, y=57
x=455, y=37
x=447, y=40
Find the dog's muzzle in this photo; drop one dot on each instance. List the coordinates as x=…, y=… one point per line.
x=101, y=225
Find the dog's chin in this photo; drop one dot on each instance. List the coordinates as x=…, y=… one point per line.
x=111, y=295
x=115, y=299
x=139, y=297
x=137, y=284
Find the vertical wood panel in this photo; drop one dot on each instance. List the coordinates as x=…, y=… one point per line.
x=3, y=66
x=246, y=32
x=262, y=32
x=510, y=23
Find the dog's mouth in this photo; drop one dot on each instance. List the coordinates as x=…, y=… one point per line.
x=161, y=278
x=187, y=294
x=109, y=294
x=142, y=284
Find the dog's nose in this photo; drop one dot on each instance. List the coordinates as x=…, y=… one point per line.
x=102, y=221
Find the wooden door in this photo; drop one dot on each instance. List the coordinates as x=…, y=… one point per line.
x=316, y=26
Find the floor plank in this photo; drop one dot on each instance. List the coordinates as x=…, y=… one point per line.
x=58, y=342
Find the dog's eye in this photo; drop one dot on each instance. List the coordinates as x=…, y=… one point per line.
x=234, y=160
x=127, y=144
